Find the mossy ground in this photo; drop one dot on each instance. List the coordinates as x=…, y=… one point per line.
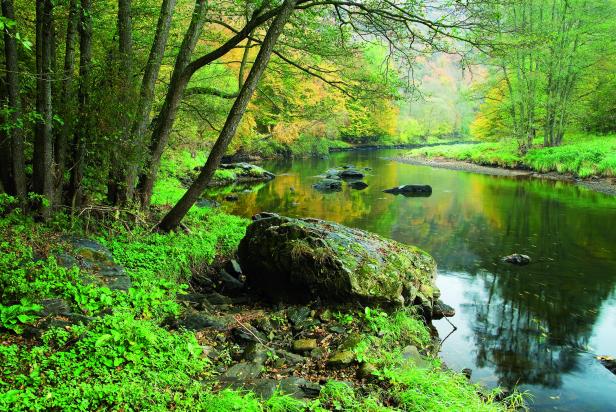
x=580, y=155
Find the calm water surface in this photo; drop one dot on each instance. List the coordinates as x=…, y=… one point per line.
x=537, y=326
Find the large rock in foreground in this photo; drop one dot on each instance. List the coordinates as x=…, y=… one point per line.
x=302, y=259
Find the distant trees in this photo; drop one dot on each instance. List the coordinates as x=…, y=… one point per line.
x=543, y=54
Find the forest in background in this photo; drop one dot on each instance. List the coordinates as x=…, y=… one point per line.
x=96, y=94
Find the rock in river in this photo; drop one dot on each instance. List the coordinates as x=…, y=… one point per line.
x=328, y=185
x=358, y=185
x=411, y=190
x=302, y=259
x=517, y=259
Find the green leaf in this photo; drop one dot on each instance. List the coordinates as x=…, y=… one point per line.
x=102, y=340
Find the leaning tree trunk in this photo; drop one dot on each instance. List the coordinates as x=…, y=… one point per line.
x=127, y=178
x=15, y=138
x=166, y=116
x=179, y=80
x=83, y=126
x=175, y=215
x=61, y=145
x=42, y=171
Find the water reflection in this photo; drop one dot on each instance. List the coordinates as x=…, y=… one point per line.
x=532, y=325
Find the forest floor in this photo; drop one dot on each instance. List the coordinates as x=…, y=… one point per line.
x=588, y=161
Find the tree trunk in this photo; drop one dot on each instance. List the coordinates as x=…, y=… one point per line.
x=6, y=169
x=61, y=144
x=162, y=128
x=15, y=136
x=79, y=142
x=144, y=105
x=179, y=80
x=43, y=142
x=175, y=215
x=240, y=77
x=115, y=187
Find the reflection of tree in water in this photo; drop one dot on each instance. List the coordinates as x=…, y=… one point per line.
x=535, y=317
x=530, y=320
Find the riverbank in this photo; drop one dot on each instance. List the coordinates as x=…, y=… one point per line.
x=321, y=147
x=102, y=313
x=588, y=161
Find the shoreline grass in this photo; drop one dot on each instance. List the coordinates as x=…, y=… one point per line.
x=581, y=155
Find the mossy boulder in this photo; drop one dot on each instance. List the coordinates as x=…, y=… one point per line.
x=302, y=259
x=240, y=173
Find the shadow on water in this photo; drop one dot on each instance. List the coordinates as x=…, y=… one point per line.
x=537, y=326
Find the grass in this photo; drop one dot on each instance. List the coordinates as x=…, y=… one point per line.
x=581, y=155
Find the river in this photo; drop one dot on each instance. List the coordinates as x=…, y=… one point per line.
x=539, y=326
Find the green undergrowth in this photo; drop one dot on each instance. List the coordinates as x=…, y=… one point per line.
x=175, y=166
x=120, y=357
x=580, y=155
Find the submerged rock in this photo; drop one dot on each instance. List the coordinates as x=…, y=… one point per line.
x=351, y=174
x=328, y=185
x=517, y=259
x=411, y=190
x=358, y=185
x=302, y=259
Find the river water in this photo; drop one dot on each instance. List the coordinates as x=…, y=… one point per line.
x=539, y=326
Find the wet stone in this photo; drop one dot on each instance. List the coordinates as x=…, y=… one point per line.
x=441, y=310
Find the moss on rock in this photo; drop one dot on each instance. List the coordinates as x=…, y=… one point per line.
x=302, y=259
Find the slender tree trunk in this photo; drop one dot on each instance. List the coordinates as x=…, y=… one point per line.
x=179, y=80
x=6, y=163
x=115, y=188
x=15, y=137
x=175, y=215
x=83, y=126
x=139, y=125
x=240, y=77
x=61, y=145
x=43, y=143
